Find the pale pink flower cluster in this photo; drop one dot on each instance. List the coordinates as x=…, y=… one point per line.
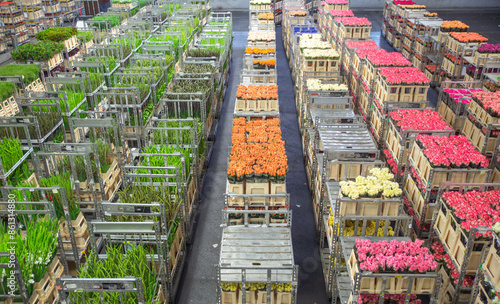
x=388, y=59
x=341, y=13
x=361, y=44
x=394, y=256
x=489, y=100
x=357, y=21
x=337, y=1
x=261, y=36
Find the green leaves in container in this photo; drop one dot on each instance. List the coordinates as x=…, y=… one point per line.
x=62, y=180
x=6, y=90
x=104, y=151
x=10, y=153
x=122, y=261
x=31, y=72
x=198, y=68
x=112, y=20
x=56, y=34
x=36, y=251
x=89, y=36
x=40, y=51
x=211, y=51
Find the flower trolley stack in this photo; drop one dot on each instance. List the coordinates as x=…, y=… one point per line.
x=465, y=226
x=385, y=267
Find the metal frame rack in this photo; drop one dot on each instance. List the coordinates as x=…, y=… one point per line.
x=471, y=243
x=241, y=243
x=348, y=291
x=483, y=277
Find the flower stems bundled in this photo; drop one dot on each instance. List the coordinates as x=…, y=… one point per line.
x=148, y=195
x=159, y=161
x=120, y=265
x=61, y=180
x=198, y=68
x=211, y=51
x=160, y=138
x=10, y=153
x=36, y=251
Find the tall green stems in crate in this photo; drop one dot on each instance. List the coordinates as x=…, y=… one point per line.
x=10, y=153
x=62, y=180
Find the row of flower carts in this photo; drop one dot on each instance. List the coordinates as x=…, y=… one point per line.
x=387, y=173
x=102, y=171
x=256, y=217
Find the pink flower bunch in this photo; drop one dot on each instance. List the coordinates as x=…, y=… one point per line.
x=341, y=13
x=488, y=100
x=363, y=52
x=391, y=59
x=455, y=151
x=403, y=2
x=475, y=208
x=403, y=75
x=337, y=1
x=361, y=44
x=367, y=298
x=489, y=48
x=440, y=255
x=391, y=162
x=426, y=120
x=357, y=21
x=394, y=256
x=420, y=184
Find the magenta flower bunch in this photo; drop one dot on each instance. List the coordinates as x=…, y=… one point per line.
x=341, y=13
x=388, y=59
x=490, y=101
x=464, y=94
x=475, y=208
x=426, y=120
x=394, y=256
x=356, y=21
x=367, y=298
x=361, y=44
x=455, y=151
x=489, y=48
x=403, y=75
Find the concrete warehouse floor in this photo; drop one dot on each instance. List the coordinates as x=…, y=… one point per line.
x=198, y=284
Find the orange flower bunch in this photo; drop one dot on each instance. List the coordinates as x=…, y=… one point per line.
x=413, y=6
x=257, y=92
x=259, y=51
x=298, y=13
x=267, y=16
x=430, y=14
x=257, y=149
x=269, y=62
x=468, y=37
x=456, y=24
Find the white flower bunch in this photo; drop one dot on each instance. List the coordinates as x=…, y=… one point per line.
x=316, y=85
x=313, y=41
x=380, y=183
x=320, y=53
x=496, y=228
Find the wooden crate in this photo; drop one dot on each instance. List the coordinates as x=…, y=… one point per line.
x=45, y=291
x=80, y=231
x=262, y=297
x=8, y=107
x=356, y=32
x=492, y=265
x=417, y=201
x=449, y=116
x=495, y=177
x=229, y=297
x=368, y=207
x=422, y=165
x=175, y=249
x=250, y=297
x=283, y=297
x=476, y=136
x=407, y=93
x=237, y=188
x=277, y=188
x=71, y=43
x=55, y=269
x=481, y=58
x=256, y=188
x=338, y=171
x=364, y=100
x=481, y=114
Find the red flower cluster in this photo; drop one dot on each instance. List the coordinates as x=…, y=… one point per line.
x=426, y=120
x=488, y=100
x=358, y=21
x=403, y=75
x=455, y=151
x=456, y=94
x=475, y=208
x=389, y=59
